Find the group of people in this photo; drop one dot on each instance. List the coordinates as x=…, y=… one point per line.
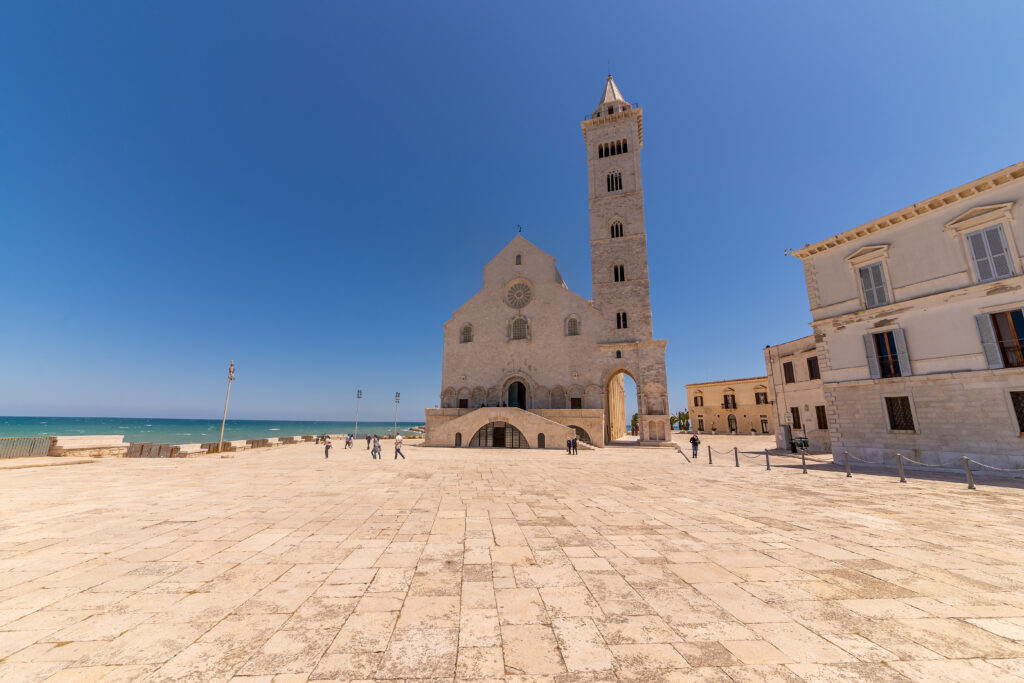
x=372, y=445
x=572, y=446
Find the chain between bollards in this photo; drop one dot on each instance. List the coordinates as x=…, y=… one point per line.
x=767, y=462
x=967, y=469
x=709, y=455
x=736, y=454
x=846, y=455
x=899, y=466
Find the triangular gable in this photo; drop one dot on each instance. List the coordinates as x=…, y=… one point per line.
x=865, y=253
x=980, y=215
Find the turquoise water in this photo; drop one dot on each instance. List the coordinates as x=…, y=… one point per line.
x=158, y=430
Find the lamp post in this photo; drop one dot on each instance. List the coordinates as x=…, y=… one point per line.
x=231, y=377
x=359, y=395
x=397, y=395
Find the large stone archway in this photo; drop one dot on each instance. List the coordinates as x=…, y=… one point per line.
x=616, y=415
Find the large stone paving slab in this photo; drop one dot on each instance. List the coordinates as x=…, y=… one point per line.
x=616, y=564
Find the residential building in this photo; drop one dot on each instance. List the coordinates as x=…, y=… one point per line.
x=798, y=397
x=528, y=363
x=731, y=406
x=920, y=330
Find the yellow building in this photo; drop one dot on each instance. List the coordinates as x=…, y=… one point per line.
x=731, y=406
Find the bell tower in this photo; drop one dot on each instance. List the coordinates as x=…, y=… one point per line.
x=614, y=135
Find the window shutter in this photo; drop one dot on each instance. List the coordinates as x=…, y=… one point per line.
x=901, y=351
x=869, y=290
x=982, y=264
x=997, y=247
x=993, y=358
x=872, y=355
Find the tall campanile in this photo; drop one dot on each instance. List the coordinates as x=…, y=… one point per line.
x=614, y=135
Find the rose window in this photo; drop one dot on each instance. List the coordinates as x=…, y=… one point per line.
x=518, y=295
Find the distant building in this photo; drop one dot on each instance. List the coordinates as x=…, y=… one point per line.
x=797, y=393
x=526, y=362
x=920, y=327
x=732, y=406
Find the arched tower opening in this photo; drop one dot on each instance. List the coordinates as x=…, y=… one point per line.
x=621, y=405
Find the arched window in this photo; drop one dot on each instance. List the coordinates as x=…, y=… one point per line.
x=467, y=334
x=618, y=147
x=617, y=229
x=519, y=328
x=618, y=354
x=600, y=151
x=614, y=181
x=620, y=320
x=610, y=110
x=620, y=273
x=458, y=439
x=540, y=441
x=572, y=326
x=625, y=146
x=519, y=259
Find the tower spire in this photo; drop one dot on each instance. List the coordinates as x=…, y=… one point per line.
x=611, y=97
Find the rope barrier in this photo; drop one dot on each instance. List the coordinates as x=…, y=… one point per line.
x=993, y=467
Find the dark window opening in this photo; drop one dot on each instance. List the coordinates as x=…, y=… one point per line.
x=463, y=403
x=764, y=425
x=819, y=412
x=761, y=398
x=1009, y=326
x=619, y=273
x=614, y=181
x=616, y=229
x=540, y=441
x=458, y=439
x=901, y=418
x=729, y=401
x=618, y=354
x=1017, y=398
x=575, y=402
x=888, y=358
x=620, y=321
x=787, y=371
x=698, y=401
x=700, y=424
x=795, y=412
x=812, y=368
x=519, y=259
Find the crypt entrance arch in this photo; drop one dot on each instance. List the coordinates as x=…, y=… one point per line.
x=617, y=415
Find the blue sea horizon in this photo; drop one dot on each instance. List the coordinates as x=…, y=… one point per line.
x=184, y=430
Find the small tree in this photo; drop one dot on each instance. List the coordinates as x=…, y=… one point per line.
x=683, y=419
x=635, y=423
x=673, y=421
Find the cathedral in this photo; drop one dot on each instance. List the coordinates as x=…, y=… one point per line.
x=529, y=364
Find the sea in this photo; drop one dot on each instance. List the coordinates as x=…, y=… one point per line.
x=161, y=430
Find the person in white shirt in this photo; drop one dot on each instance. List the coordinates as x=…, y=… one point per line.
x=398, y=447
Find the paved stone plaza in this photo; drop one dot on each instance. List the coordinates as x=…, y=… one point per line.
x=616, y=564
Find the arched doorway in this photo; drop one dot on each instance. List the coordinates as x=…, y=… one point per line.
x=517, y=395
x=621, y=402
x=458, y=439
x=498, y=435
x=732, y=424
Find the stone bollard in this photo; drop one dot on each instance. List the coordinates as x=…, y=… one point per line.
x=846, y=456
x=899, y=466
x=967, y=469
x=709, y=455
x=803, y=460
x=767, y=462
x=736, y=454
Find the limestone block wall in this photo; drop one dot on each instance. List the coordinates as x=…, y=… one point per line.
x=443, y=425
x=805, y=393
x=955, y=414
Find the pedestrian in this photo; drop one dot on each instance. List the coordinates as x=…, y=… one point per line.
x=327, y=447
x=376, y=448
x=575, y=445
x=398, y=447
x=348, y=441
x=695, y=442
x=318, y=439
x=368, y=442
x=568, y=446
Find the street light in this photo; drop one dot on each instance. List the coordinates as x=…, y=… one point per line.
x=397, y=395
x=231, y=377
x=359, y=395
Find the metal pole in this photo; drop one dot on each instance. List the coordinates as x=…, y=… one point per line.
x=767, y=462
x=709, y=455
x=359, y=395
x=846, y=455
x=231, y=377
x=967, y=469
x=899, y=465
x=803, y=460
x=736, y=454
x=396, y=413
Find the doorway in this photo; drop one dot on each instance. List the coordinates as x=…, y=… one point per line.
x=498, y=437
x=517, y=395
x=621, y=405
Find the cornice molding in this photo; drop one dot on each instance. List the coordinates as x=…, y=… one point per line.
x=971, y=189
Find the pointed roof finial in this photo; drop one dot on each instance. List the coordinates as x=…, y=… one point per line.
x=611, y=92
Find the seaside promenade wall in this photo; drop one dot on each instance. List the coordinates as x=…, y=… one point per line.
x=114, y=446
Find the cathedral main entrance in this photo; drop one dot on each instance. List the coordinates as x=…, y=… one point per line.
x=517, y=395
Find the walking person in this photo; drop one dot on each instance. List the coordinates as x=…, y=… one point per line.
x=327, y=446
x=568, y=446
x=695, y=442
x=368, y=442
x=575, y=445
x=348, y=441
x=376, y=449
x=398, y=447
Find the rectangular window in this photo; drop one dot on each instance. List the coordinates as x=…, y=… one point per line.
x=729, y=402
x=698, y=401
x=872, y=281
x=761, y=398
x=764, y=425
x=888, y=358
x=812, y=368
x=620, y=321
x=463, y=402
x=700, y=424
x=900, y=416
x=819, y=412
x=787, y=371
x=575, y=402
x=796, y=417
x=1017, y=398
x=990, y=254
x=1009, y=327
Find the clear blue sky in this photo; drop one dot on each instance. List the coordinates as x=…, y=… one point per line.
x=312, y=188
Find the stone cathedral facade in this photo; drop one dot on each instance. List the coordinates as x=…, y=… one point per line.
x=527, y=363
